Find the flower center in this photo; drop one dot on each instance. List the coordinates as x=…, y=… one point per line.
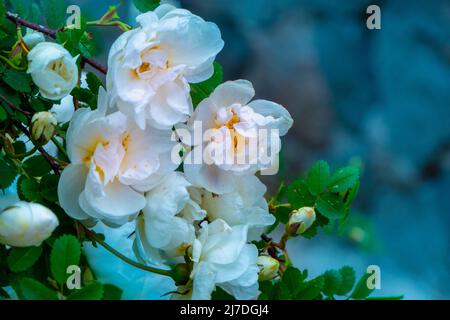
x=234, y=119
x=144, y=67
x=59, y=67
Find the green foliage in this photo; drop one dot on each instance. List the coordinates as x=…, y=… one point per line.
x=298, y=194
x=20, y=259
x=330, y=194
x=8, y=172
x=28, y=189
x=318, y=177
x=19, y=81
x=86, y=96
x=36, y=166
x=77, y=41
x=34, y=290
x=111, y=292
x=93, y=291
x=293, y=285
x=3, y=114
x=26, y=10
x=146, y=5
x=202, y=90
x=48, y=187
x=54, y=12
x=348, y=280
x=361, y=290
x=66, y=251
x=2, y=12
x=330, y=205
x=94, y=83
x=344, y=179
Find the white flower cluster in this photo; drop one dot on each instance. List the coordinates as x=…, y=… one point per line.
x=121, y=154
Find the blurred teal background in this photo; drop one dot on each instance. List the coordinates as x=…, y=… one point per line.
x=376, y=97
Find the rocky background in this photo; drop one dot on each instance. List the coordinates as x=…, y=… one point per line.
x=377, y=97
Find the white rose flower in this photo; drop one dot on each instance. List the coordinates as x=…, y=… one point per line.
x=168, y=219
x=150, y=67
x=245, y=205
x=112, y=163
x=223, y=257
x=166, y=229
x=53, y=70
x=238, y=145
x=26, y=224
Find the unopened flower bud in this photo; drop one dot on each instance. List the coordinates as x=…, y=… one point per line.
x=26, y=224
x=181, y=273
x=268, y=267
x=300, y=220
x=43, y=126
x=32, y=38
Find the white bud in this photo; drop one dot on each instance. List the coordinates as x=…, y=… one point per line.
x=26, y=224
x=43, y=126
x=32, y=38
x=268, y=267
x=53, y=70
x=301, y=220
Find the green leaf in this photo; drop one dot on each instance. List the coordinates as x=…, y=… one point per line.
x=146, y=5
x=93, y=291
x=21, y=7
x=311, y=289
x=266, y=288
x=343, y=179
x=8, y=173
x=20, y=259
x=333, y=282
x=49, y=186
x=111, y=292
x=93, y=82
x=28, y=189
x=318, y=177
x=352, y=194
x=19, y=147
x=202, y=90
x=299, y=196
x=2, y=12
x=348, y=280
x=34, y=290
x=281, y=291
x=19, y=81
x=86, y=96
x=66, y=251
x=54, y=12
x=293, y=278
x=330, y=205
x=36, y=166
x=3, y=114
x=361, y=290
